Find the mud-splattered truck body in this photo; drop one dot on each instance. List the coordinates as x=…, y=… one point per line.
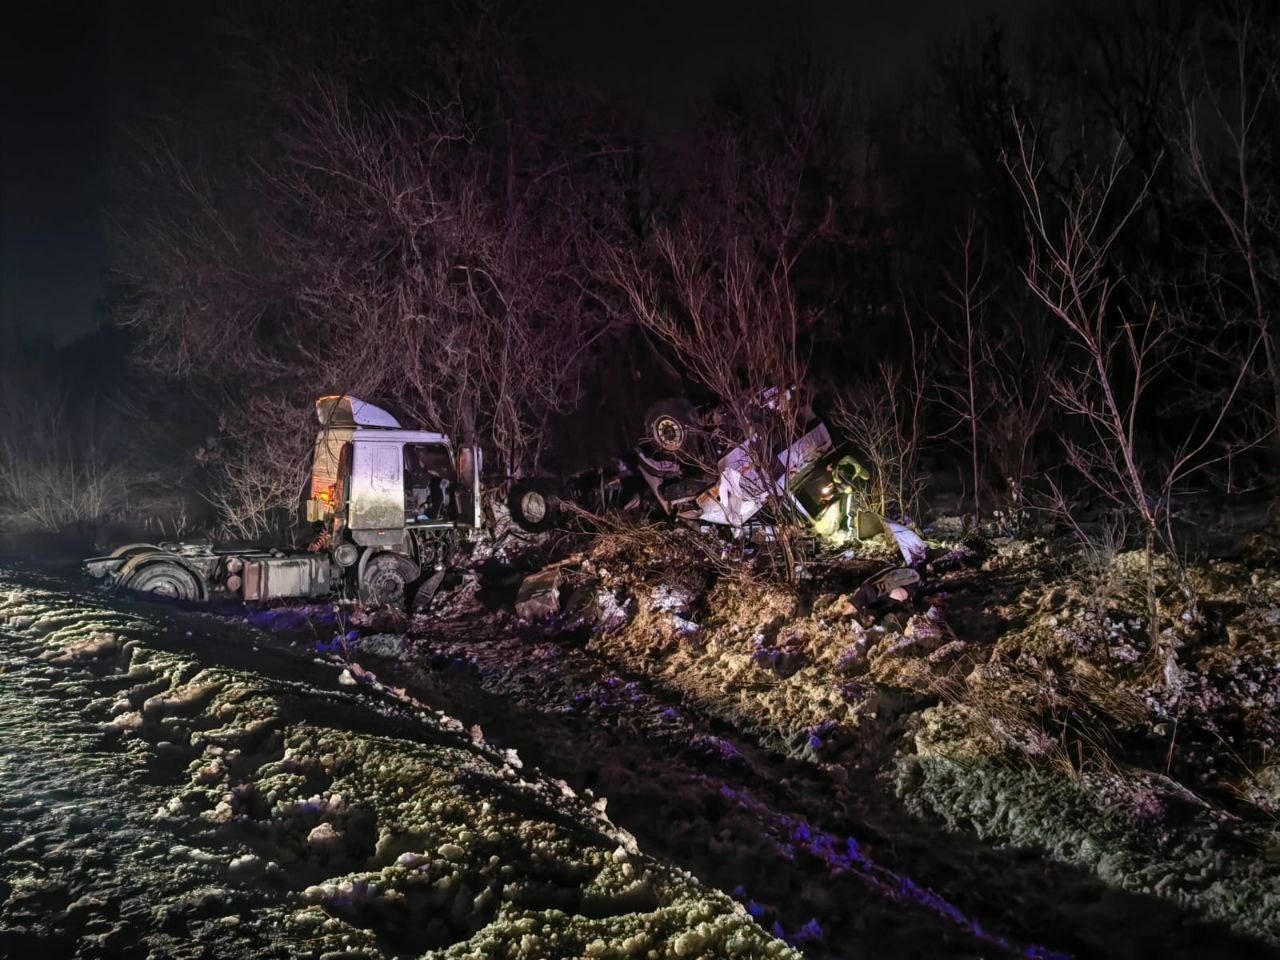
x=390, y=502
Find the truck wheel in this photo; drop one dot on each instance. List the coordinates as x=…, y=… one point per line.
x=164, y=578
x=533, y=505
x=669, y=428
x=385, y=580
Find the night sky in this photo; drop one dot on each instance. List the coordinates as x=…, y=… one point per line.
x=78, y=76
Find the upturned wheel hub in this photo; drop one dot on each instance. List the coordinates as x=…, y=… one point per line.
x=669, y=433
x=534, y=506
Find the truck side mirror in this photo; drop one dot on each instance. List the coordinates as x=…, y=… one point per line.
x=470, y=463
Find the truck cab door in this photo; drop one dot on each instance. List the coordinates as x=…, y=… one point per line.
x=377, y=486
x=470, y=462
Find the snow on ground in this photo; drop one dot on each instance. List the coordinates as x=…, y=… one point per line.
x=175, y=793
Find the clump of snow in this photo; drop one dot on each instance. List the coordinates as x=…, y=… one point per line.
x=672, y=598
x=610, y=614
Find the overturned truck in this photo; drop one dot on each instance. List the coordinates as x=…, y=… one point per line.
x=393, y=504
x=789, y=471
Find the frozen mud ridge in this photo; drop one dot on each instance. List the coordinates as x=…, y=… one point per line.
x=164, y=798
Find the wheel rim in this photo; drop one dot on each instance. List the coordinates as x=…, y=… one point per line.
x=533, y=506
x=166, y=581
x=385, y=582
x=669, y=433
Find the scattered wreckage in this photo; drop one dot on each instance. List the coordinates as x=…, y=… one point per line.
x=700, y=475
x=393, y=504
x=807, y=478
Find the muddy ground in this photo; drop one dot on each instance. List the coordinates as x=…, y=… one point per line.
x=790, y=757
x=768, y=767
x=178, y=787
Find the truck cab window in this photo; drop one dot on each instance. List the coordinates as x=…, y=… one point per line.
x=428, y=482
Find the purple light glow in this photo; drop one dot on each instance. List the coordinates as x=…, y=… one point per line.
x=842, y=855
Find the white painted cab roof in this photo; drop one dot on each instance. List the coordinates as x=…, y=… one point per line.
x=348, y=411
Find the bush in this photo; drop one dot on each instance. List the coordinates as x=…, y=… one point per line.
x=53, y=472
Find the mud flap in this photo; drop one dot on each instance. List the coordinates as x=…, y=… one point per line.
x=539, y=595
x=427, y=591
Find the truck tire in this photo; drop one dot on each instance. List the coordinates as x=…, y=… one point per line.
x=668, y=430
x=533, y=505
x=385, y=579
x=164, y=578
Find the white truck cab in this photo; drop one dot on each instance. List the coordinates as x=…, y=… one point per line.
x=373, y=477
x=392, y=502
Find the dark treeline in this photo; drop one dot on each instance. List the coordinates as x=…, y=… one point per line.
x=1049, y=261
x=90, y=440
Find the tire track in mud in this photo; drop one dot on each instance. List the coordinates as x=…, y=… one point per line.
x=713, y=802
x=161, y=798
x=837, y=867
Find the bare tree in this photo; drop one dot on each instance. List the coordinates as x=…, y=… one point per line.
x=884, y=418
x=384, y=250
x=55, y=471
x=1230, y=94
x=729, y=314
x=258, y=466
x=1121, y=356
x=734, y=283
x=1019, y=378
x=967, y=401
